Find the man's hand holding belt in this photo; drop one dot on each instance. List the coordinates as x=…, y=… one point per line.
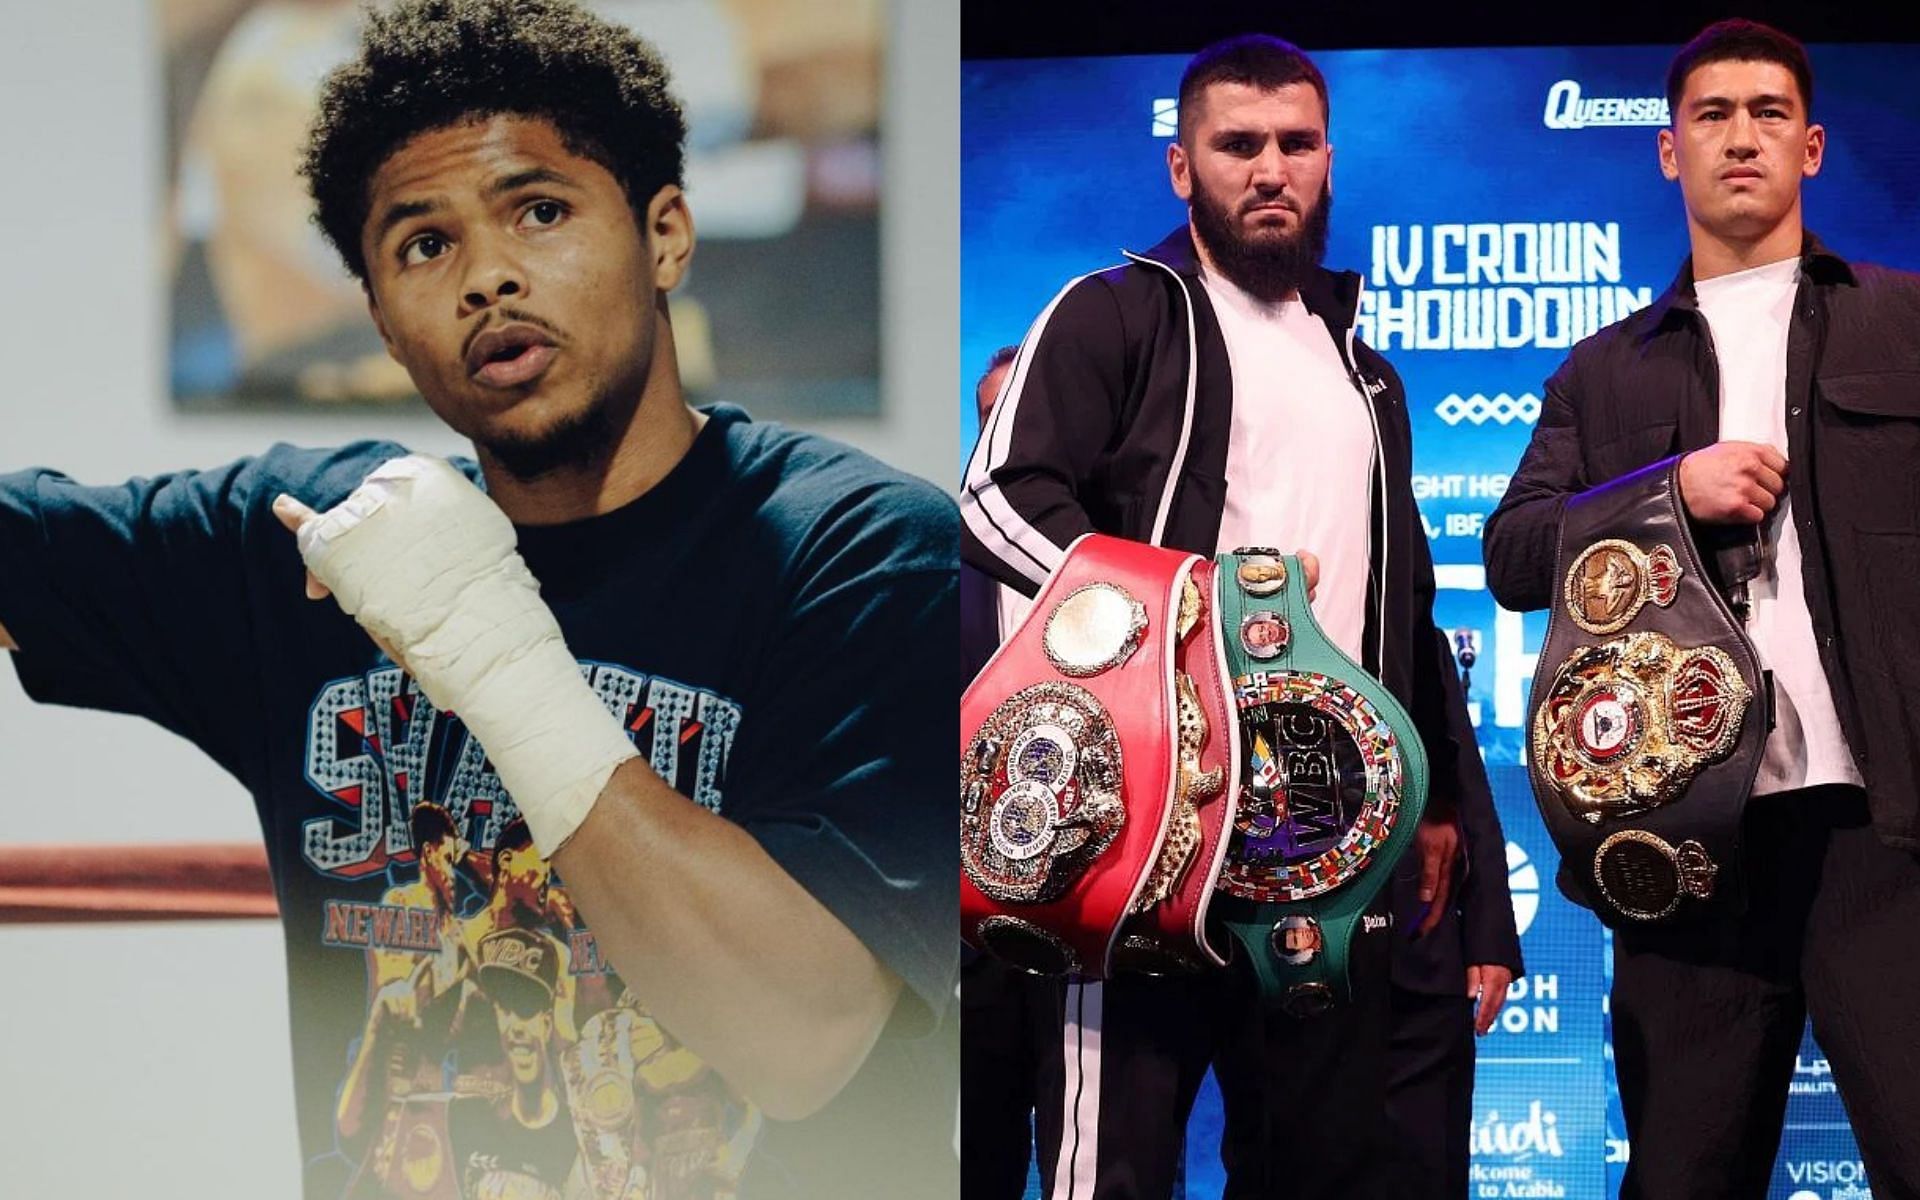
x=1732, y=483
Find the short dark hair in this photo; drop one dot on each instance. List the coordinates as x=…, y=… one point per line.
x=1738, y=40
x=516, y=836
x=1256, y=59
x=432, y=64
x=999, y=358
x=429, y=823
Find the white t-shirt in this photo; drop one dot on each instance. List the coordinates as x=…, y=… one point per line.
x=1300, y=453
x=1749, y=312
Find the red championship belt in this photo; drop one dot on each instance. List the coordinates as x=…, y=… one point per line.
x=1089, y=826
x=1169, y=932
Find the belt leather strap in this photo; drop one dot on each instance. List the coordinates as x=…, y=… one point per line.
x=1170, y=933
x=1333, y=782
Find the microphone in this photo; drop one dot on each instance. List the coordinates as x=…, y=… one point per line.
x=1466, y=655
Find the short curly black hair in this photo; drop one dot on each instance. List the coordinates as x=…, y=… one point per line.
x=430, y=64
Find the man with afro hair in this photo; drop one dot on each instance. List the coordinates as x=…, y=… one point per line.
x=707, y=662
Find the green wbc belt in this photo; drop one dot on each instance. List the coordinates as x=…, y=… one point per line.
x=1333, y=781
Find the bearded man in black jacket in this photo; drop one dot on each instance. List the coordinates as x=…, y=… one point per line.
x=1210, y=394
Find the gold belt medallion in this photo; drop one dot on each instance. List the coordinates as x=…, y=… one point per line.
x=1646, y=878
x=1039, y=793
x=1612, y=580
x=1629, y=722
x=1193, y=784
x=1095, y=628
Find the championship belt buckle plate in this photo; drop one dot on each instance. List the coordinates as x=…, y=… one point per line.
x=1627, y=724
x=1321, y=791
x=1041, y=793
x=1645, y=878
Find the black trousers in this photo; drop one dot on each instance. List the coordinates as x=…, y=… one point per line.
x=1009, y=1035
x=1707, y=1016
x=1304, y=1100
x=1430, y=1093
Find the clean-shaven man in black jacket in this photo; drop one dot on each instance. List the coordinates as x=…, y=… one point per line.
x=1789, y=381
x=1208, y=394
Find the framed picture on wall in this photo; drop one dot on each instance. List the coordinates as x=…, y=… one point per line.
x=780, y=312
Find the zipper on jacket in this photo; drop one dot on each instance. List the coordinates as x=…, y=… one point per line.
x=1377, y=475
x=1179, y=464
x=1376, y=486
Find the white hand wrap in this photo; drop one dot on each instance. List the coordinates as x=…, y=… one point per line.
x=427, y=564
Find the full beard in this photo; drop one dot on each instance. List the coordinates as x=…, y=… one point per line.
x=1267, y=268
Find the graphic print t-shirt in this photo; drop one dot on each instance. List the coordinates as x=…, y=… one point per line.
x=772, y=623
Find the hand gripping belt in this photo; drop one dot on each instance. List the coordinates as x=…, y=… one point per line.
x=1095, y=764
x=1333, y=780
x=1648, y=718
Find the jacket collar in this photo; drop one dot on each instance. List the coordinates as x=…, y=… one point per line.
x=1333, y=296
x=1818, y=264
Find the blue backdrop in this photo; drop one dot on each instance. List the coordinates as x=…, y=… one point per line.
x=1503, y=203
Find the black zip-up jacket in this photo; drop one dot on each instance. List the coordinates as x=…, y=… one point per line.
x=1648, y=387
x=1115, y=419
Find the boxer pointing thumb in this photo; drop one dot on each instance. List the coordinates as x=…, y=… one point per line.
x=428, y=566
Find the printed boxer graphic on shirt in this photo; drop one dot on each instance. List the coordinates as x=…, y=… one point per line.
x=502, y=1058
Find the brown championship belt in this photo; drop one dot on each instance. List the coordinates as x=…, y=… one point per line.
x=1093, y=763
x=414, y=1153
x=1648, y=714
